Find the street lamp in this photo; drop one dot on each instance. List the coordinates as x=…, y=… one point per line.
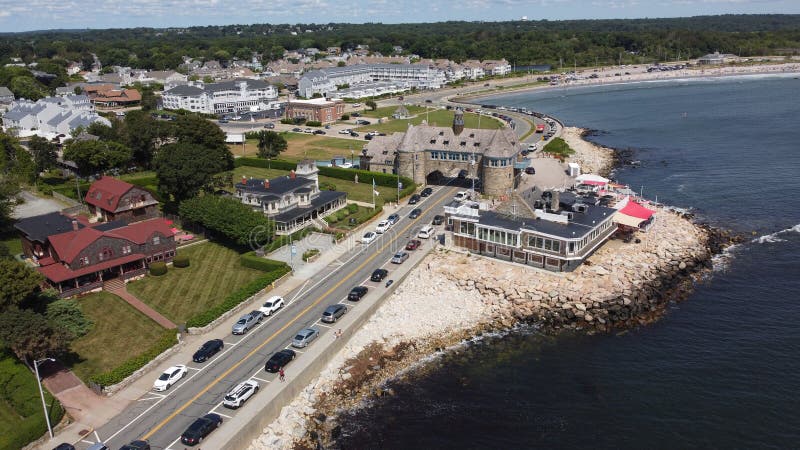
x=41, y=392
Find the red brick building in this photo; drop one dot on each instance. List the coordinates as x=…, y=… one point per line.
x=111, y=199
x=316, y=109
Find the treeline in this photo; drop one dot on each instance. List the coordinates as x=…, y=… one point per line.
x=585, y=42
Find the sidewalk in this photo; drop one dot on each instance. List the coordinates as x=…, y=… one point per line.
x=90, y=411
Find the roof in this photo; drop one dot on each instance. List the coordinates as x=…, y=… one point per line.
x=5, y=92
x=59, y=272
x=323, y=198
x=106, y=192
x=500, y=143
x=315, y=101
x=185, y=90
x=636, y=210
x=139, y=232
x=68, y=245
x=38, y=228
x=277, y=186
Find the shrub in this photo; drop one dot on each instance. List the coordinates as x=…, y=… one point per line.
x=286, y=121
x=341, y=214
x=67, y=314
x=325, y=186
x=262, y=163
x=158, y=268
x=180, y=261
x=353, y=208
x=308, y=254
x=46, y=190
x=127, y=368
x=251, y=261
x=235, y=298
x=338, y=236
x=345, y=116
x=314, y=123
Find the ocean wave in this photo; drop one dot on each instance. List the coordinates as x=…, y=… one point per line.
x=721, y=262
x=775, y=237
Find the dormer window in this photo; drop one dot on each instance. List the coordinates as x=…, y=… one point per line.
x=433, y=141
x=463, y=143
x=472, y=135
x=477, y=144
x=441, y=133
x=446, y=142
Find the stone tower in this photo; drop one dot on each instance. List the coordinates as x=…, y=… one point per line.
x=458, y=121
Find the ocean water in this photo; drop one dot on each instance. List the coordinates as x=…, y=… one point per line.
x=720, y=370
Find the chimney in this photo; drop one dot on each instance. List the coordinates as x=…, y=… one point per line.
x=244, y=179
x=458, y=122
x=266, y=184
x=74, y=225
x=292, y=175
x=554, y=202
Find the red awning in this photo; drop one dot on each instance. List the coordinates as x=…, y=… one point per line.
x=636, y=210
x=59, y=272
x=594, y=183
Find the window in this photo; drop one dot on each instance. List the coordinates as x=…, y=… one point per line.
x=126, y=249
x=156, y=240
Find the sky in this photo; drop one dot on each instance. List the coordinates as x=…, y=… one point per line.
x=16, y=15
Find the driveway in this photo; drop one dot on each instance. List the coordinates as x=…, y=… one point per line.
x=35, y=206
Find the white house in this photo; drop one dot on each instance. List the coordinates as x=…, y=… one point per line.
x=220, y=98
x=497, y=67
x=359, y=77
x=51, y=116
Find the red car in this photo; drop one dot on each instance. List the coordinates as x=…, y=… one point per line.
x=413, y=244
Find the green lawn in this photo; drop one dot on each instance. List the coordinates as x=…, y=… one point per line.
x=301, y=146
x=359, y=192
x=21, y=412
x=435, y=117
x=387, y=111
x=214, y=272
x=118, y=333
x=11, y=242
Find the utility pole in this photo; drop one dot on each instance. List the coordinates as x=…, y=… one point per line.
x=41, y=393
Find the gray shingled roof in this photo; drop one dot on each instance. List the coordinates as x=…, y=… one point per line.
x=5, y=92
x=501, y=143
x=185, y=90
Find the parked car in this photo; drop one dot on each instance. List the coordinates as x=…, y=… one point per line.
x=269, y=126
x=240, y=394
x=279, y=360
x=530, y=170
x=201, y=428
x=353, y=134
x=383, y=226
x=426, y=232
x=272, y=305
x=222, y=121
x=413, y=244
x=426, y=192
x=297, y=130
x=65, y=446
x=136, y=445
x=170, y=377
x=414, y=199
x=209, y=349
x=319, y=131
x=305, y=337
x=399, y=257
x=393, y=218
x=356, y=293
x=368, y=137
x=333, y=312
x=368, y=237
x=345, y=131
x=98, y=446
x=355, y=114
x=246, y=322
x=416, y=212
x=437, y=220
x=378, y=274
x=363, y=122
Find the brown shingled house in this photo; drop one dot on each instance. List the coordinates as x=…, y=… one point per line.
x=111, y=199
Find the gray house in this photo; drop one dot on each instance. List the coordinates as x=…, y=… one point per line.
x=6, y=96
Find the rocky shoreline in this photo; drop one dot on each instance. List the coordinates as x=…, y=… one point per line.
x=452, y=296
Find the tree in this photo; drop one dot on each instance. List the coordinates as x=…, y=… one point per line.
x=270, y=144
x=97, y=156
x=44, y=153
x=30, y=336
x=228, y=216
x=195, y=130
x=208, y=79
x=141, y=133
x=15, y=162
x=9, y=189
x=17, y=282
x=371, y=104
x=184, y=169
x=67, y=315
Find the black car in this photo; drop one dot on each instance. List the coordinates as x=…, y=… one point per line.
x=297, y=130
x=379, y=274
x=414, y=199
x=208, y=350
x=136, y=445
x=368, y=137
x=279, y=360
x=415, y=213
x=353, y=134
x=530, y=170
x=201, y=428
x=65, y=446
x=426, y=192
x=356, y=293
x=319, y=132
x=355, y=114
x=438, y=220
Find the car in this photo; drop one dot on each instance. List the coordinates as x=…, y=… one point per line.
x=356, y=105
x=355, y=114
x=297, y=130
x=437, y=220
x=368, y=137
x=530, y=170
x=426, y=232
x=240, y=394
x=356, y=293
x=209, y=349
x=98, y=446
x=378, y=275
x=327, y=127
x=136, y=445
x=333, y=312
x=269, y=126
x=201, y=428
x=308, y=130
x=428, y=100
x=319, y=131
x=416, y=212
x=414, y=199
x=524, y=152
x=373, y=133
x=246, y=322
x=426, y=192
x=65, y=446
x=383, y=226
x=222, y=121
x=399, y=257
x=393, y=218
x=368, y=237
x=345, y=131
x=461, y=196
x=363, y=122
x=305, y=337
x=353, y=134
x=413, y=244
x=170, y=377
x=272, y=305
x=279, y=360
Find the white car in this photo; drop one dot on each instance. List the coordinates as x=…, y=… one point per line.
x=368, y=237
x=272, y=304
x=347, y=131
x=383, y=226
x=170, y=377
x=239, y=394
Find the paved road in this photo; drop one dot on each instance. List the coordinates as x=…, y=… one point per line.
x=34, y=206
x=162, y=417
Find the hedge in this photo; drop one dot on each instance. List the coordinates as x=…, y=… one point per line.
x=251, y=261
x=280, y=241
x=314, y=123
x=264, y=163
x=237, y=297
x=126, y=369
x=158, y=268
x=180, y=261
x=365, y=176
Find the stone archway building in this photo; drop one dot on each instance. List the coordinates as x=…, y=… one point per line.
x=491, y=156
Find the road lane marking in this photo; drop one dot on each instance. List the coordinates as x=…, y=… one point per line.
x=291, y=322
x=148, y=399
x=97, y=436
x=88, y=442
x=194, y=368
x=322, y=325
x=169, y=447
x=260, y=379
x=294, y=350
x=220, y=414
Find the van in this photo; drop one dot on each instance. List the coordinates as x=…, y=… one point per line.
x=426, y=232
x=461, y=196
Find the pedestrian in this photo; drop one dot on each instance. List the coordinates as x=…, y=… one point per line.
x=282, y=375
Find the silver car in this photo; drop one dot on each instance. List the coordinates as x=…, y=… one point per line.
x=305, y=337
x=247, y=322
